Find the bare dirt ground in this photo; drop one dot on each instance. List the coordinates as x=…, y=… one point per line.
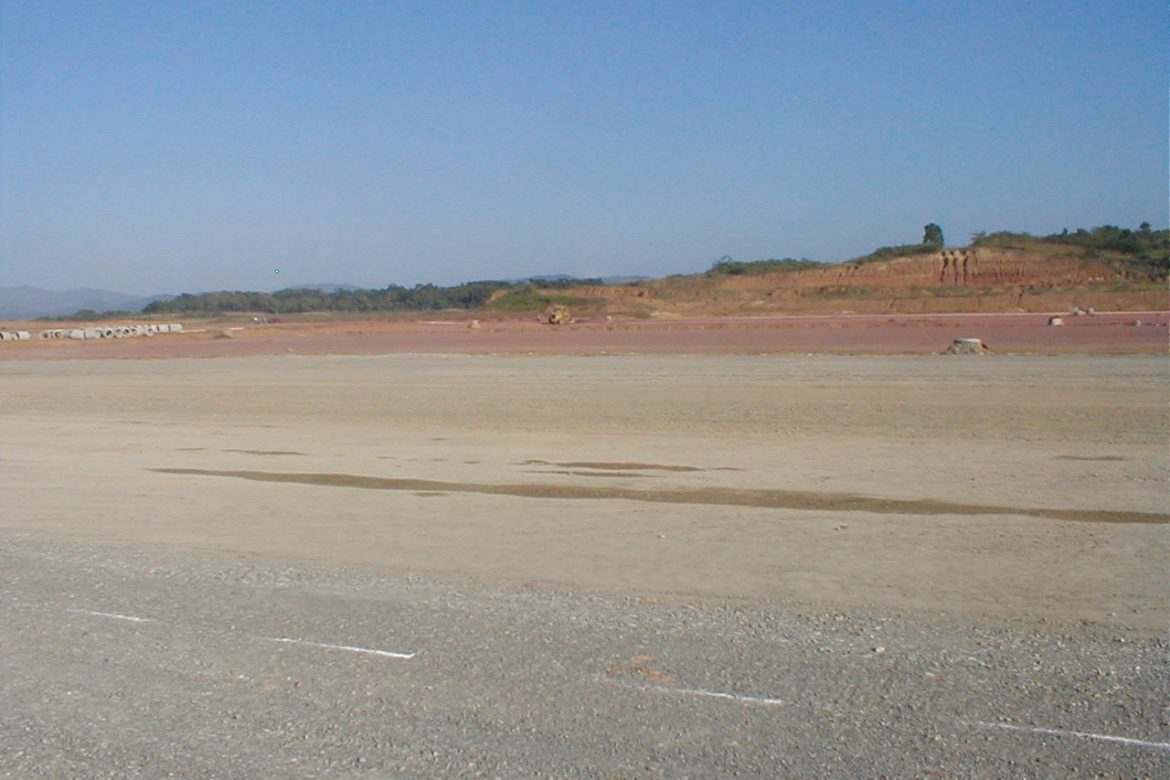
x=1105, y=333
x=555, y=561
x=997, y=486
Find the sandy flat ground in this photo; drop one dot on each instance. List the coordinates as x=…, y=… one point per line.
x=999, y=488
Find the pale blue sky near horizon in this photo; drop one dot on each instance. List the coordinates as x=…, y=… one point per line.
x=154, y=147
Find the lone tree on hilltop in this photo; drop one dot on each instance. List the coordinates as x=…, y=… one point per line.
x=932, y=234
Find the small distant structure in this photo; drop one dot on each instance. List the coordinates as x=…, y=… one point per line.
x=967, y=346
x=556, y=315
x=1055, y=321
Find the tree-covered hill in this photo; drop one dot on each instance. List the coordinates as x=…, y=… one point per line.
x=1142, y=253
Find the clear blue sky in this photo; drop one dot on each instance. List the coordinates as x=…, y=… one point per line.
x=165, y=146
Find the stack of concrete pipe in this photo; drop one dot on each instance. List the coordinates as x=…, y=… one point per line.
x=102, y=332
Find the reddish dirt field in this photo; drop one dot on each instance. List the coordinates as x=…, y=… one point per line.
x=1111, y=333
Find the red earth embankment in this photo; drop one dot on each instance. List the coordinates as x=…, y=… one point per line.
x=983, y=280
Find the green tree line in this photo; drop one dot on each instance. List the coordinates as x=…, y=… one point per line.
x=1144, y=250
x=1107, y=238
x=728, y=267
x=421, y=297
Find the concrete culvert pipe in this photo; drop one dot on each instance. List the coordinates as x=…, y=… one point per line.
x=107, y=333
x=77, y=333
x=23, y=335
x=176, y=327
x=6, y=336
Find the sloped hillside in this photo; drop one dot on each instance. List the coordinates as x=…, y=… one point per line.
x=974, y=279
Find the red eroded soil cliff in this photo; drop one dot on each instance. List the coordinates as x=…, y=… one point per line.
x=953, y=280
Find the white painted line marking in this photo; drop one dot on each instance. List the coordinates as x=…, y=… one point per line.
x=349, y=648
x=700, y=692
x=112, y=616
x=1163, y=746
x=285, y=640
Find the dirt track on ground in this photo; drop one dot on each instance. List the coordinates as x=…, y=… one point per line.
x=1112, y=333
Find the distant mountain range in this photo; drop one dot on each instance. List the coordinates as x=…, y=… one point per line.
x=23, y=303
x=27, y=303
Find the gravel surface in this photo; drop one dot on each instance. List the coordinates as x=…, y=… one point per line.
x=147, y=663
